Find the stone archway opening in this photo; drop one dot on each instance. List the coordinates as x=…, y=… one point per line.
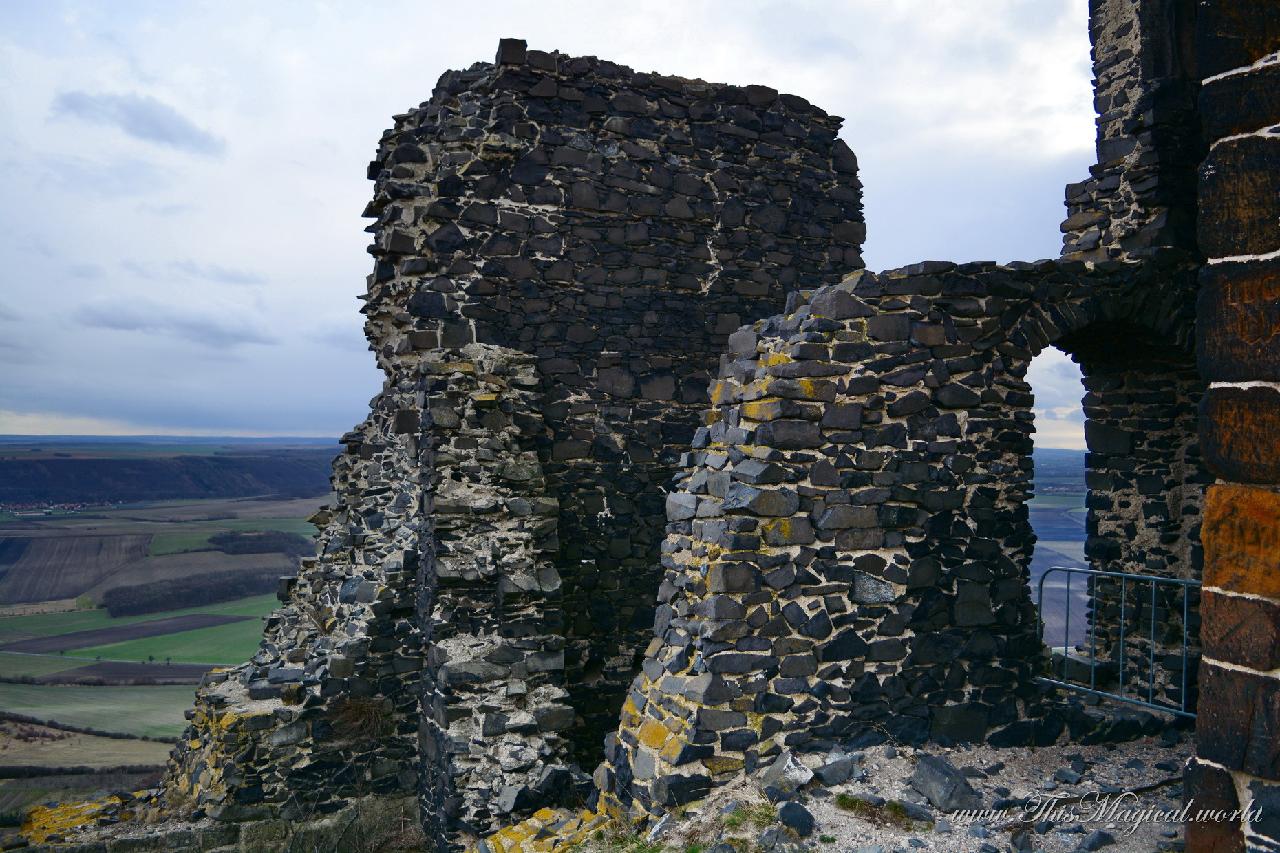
x=1144, y=483
x=1058, y=506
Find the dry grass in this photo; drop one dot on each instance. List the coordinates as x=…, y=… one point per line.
x=29, y=744
x=361, y=718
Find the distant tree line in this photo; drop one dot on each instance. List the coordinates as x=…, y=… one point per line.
x=286, y=473
x=261, y=542
x=177, y=593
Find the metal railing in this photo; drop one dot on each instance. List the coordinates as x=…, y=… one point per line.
x=1121, y=661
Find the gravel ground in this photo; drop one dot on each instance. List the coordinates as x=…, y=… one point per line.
x=1089, y=779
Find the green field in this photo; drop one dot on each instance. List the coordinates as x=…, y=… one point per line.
x=179, y=543
x=30, y=666
x=144, y=711
x=13, y=628
x=194, y=536
x=221, y=644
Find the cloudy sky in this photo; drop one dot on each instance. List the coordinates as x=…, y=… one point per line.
x=180, y=237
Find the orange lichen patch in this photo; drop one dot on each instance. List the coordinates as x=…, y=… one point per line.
x=43, y=823
x=1241, y=537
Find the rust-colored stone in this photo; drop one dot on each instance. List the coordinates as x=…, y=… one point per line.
x=1233, y=33
x=1208, y=788
x=1244, y=631
x=1239, y=724
x=1241, y=537
x=1240, y=198
x=1240, y=433
x=1238, y=321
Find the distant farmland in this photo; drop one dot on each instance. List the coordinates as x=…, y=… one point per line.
x=65, y=566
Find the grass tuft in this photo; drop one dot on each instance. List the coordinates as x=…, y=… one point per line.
x=892, y=813
x=361, y=718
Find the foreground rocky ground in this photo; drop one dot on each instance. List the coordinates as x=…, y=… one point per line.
x=896, y=800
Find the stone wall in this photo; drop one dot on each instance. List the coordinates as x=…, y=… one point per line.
x=326, y=710
x=1238, y=348
x=1146, y=483
x=1140, y=197
x=566, y=250
x=847, y=554
x=562, y=248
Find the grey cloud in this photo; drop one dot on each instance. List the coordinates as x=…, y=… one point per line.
x=188, y=268
x=341, y=336
x=85, y=271
x=165, y=209
x=141, y=117
x=211, y=331
x=216, y=272
x=7, y=314
x=112, y=179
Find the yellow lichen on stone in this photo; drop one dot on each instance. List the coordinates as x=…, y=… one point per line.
x=723, y=764
x=653, y=734
x=812, y=388
x=764, y=409
x=44, y=822
x=769, y=359
x=537, y=835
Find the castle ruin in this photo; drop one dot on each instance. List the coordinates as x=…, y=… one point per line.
x=659, y=466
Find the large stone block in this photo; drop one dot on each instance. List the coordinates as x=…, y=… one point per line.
x=1240, y=198
x=1240, y=728
x=1238, y=630
x=1241, y=103
x=1240, y=433
x=1235, y=33
x=1206, y=789
x=1241, y=537
x=1238, y=321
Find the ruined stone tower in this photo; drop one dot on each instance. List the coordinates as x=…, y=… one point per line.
x=657, y=465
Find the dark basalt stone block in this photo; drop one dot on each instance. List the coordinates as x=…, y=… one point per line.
x=1237, y=318
x=1240, y=198
x=675, y=791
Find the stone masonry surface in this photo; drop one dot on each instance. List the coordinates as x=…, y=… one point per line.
x=848, y=548
x=588, y=281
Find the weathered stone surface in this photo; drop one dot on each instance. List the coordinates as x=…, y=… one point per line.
x=943, y=785
x=1240, y=198
x=1241, y=631
x=1240, y=729
x=1241, y=103
x=1208, y=789
x=1232, y=35
x=797, y=818
x=1238, y=429
x=1238, y=321
x=868, y=550
x=1241, y=535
